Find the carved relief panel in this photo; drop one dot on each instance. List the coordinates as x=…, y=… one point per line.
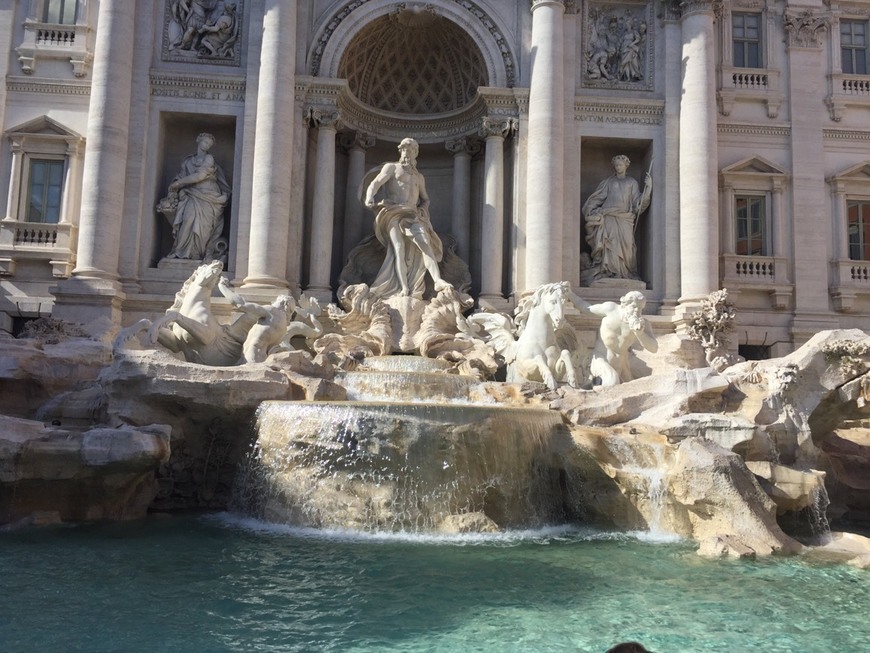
x=618, y=46
x=203, y=31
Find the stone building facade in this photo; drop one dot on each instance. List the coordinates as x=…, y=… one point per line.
x=752, y=118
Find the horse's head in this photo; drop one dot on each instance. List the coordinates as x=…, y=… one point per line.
x=208, y=274
x=552, y=299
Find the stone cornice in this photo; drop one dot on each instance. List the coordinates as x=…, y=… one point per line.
x=846, y=134
x=780, y=131
x=805, y=29
x=198, y=87
x=52, y=86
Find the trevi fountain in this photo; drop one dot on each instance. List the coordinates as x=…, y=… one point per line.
x=403, y=470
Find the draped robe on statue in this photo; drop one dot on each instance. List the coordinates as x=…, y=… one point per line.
x=411, y=220
x=611, y=213
x=199, y=219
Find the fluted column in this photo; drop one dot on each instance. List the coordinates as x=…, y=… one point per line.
x=105, y=166
x=545, y=158
x=699, y=210
x=841, y=224
x=356, y=144
x=322, y=213
x=494, y=130
x=462, y=149
x=273, y=148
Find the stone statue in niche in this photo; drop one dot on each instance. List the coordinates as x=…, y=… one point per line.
x=403, y=226
x=617, y=43
x=195, y=205
x=203, y=29
x=611, y=214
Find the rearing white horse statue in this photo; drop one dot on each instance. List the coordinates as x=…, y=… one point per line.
x=537, y=345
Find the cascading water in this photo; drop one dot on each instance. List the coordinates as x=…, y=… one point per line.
x=409, y=464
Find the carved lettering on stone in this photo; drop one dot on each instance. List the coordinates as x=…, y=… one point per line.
x=203, y=31
x=619, y=48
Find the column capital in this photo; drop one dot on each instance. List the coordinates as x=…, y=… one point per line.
x=463, y=145
x=805, y=29
x=496, y=126
x=688, y=7
x=552, y=3
x=323, y=117
x=356, y=140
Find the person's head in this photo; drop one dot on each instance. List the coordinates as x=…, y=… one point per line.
x=620, y=163
x=408, y=150
x=633, y=298
x=205, y=141
x=628, y=647
x=285, y=303
x=230, y=8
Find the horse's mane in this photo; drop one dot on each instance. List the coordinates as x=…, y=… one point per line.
x=180, y=295
x=524, y=308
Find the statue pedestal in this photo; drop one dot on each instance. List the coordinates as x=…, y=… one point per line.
x=179, y=267
x=624, y=285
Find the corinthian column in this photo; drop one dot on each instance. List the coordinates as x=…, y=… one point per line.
x=699, y=206
x=273, y=148
x=356, y=144
x=494, y=130
x=462, y=149
x=105, y=166
x=322, y=213
x=545, y=159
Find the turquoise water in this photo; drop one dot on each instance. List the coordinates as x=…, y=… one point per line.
x=218, y=583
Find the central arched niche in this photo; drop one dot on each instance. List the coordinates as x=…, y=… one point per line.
x=413, y=61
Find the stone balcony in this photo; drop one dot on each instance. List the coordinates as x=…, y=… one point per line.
x=36, y=241
x=849, y=279
x=51, y=41
x=751, y=84
x=846, y=91
x=769, y=273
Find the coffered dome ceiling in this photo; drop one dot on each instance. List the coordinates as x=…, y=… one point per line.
x=413, y=62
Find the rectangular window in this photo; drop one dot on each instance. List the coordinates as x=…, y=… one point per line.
x=44, y=190
x=853, y=46
x=60, y=12
x=746, y=37
x=750, y=213
x=859, y=230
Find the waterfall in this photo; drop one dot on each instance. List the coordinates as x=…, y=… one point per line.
x=404, y=465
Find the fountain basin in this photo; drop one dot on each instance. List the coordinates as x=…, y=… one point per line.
x=405, y=466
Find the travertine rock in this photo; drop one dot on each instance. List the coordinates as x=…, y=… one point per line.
x=471, y=522
x=101, y=473
x=715, y=494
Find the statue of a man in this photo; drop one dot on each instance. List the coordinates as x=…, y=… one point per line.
x=403, y=226
x=611, y=214
x=622, y=325
x=195, y=204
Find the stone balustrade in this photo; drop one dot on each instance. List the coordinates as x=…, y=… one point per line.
x=37, y=241
x=50, y=41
